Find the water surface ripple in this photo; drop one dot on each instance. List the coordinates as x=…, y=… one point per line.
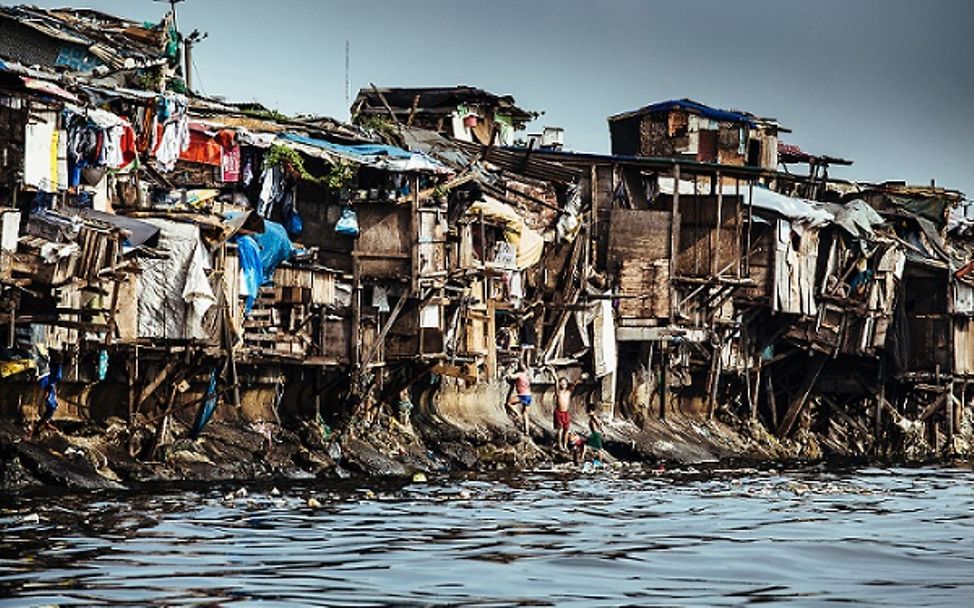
x=871, y=537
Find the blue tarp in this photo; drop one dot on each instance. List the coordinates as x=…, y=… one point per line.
x=696, y=108
x=363, y=150
x=248, y=253
x=275, y=247
x=260, y=254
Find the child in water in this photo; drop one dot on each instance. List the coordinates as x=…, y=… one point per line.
x=594, y=440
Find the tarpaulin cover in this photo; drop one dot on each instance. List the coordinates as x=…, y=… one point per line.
x=275, y=247
x=389, y=158
x=791, y=208
x=693, y=107
x=174, y=292
x=855, y=217
x=529, y=243
x=260, y=254
x=931, y=208
x=251, y=269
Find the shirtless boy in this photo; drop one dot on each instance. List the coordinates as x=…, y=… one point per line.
x=563, y=418
x=522, y=394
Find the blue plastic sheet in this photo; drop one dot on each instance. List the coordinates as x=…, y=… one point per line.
x=362, y=150
x=260, y=254
x=206, y=409
x=275, y=247
x=253, y=270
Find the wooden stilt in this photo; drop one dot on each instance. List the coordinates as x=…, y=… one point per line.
x=814, y=369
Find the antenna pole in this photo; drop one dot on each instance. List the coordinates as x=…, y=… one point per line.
x=348, y=90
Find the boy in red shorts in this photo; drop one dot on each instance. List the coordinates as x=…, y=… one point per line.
x=563, y=417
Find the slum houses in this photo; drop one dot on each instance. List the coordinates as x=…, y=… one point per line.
x=164, y=253
x=744, y=278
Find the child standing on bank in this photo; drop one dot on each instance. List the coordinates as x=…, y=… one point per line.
x=522, y=394
x=563, y=417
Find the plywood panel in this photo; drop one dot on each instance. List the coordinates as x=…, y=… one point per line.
x=639, y=235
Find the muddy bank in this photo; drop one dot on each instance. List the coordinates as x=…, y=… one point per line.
x=452, y=431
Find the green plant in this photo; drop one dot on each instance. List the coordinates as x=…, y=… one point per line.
x=148, y=80
x=340, y=175
x=376, y=124
x=266, y=114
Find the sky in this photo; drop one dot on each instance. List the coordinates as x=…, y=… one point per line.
x=886, y=83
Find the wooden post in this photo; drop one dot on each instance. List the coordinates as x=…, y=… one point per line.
x=716, y=367
x=491, y=362
x=714, y=265
x=674, y=240
x=415, y=227
x=737, y=224
x=131, y=375
x=154, y=384
x=356, y=330
x=950, y=409
x=13, y=325
x=593, y=210
x=649, y=375
x=390, y=321
x=962, y=405
x=664, y=385
x=750, y=214
x=112, y=325
x=696, y=228
x=881, y=399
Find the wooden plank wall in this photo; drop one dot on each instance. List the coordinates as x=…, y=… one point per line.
x=384, y=242
x=639, y=251
x=700, y=251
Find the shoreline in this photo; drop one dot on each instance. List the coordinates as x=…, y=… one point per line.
x=89, y=456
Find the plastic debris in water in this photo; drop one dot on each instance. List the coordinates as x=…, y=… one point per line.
x=275, y=492
x=313, y=503
x=31, y=518
x=419, y=478
x=242, y=492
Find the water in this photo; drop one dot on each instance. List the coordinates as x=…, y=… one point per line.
x=809, y=537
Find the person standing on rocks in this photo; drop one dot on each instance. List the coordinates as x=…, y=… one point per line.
x=563, y=417
x=522, y=394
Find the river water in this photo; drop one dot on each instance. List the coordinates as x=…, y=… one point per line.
x=811, y=537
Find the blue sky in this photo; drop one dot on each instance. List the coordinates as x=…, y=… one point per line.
x=887, y=83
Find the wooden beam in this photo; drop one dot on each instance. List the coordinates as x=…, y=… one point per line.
x=154, y=384
x=811, y=375
x=932, y=409
x=385, y=329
